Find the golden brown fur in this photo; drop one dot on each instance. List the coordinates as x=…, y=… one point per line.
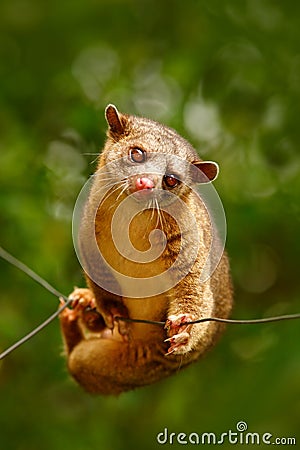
x=109, y=357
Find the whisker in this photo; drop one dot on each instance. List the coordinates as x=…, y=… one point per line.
x=90, y=154
x=120, y=185
x=123, y=190
x=152, y=206
x=160, y=217
x=108, y=185
x=115, y=187
x=101, y=179
x=156, y=207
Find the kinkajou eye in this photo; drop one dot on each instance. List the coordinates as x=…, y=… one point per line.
x=171, y=181
x=137, y=155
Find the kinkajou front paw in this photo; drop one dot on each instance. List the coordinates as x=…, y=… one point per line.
x=179, y=333
x=82, y=299
x=83, y=307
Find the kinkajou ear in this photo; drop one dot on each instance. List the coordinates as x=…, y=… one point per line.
x=206, y=171
x=118, y=123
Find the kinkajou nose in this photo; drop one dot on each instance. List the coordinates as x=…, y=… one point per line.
x=144, y=183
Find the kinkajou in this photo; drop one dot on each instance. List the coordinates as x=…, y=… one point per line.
x=152, y=169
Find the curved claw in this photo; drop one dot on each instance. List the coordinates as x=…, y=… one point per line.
x=178, y=330
x=178, y=341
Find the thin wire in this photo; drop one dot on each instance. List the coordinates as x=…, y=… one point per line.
x=248, y=321
x=35, y=331
x=218, y=319
x=15, y=262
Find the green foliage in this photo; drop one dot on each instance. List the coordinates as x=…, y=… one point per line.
x=227, y=76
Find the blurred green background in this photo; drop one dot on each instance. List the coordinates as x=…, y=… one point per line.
x=226, y=75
